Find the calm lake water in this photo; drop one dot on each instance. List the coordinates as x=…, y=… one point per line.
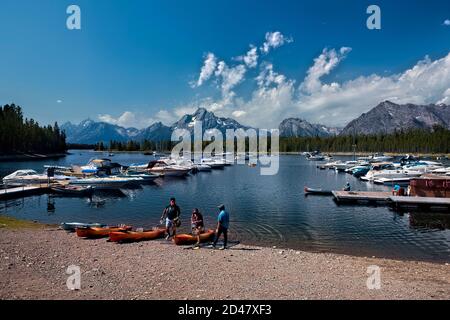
x=265, y=210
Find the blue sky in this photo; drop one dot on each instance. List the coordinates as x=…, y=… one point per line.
x=142, y=57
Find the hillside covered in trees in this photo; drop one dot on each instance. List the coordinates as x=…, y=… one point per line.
x=21, y=135
x=411, y=141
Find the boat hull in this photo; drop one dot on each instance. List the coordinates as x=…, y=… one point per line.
x=96, y=232
x=317, y=191
x=186, y=239
x=71, y=226
x=133, y=236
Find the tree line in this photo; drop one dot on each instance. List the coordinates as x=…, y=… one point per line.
x=22, y=135
x=131, y=145
x=436, y=140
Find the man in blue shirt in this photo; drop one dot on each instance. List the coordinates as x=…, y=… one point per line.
x=223, y=222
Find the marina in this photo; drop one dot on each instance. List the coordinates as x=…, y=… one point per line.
x=289, y=219
x=23, y=191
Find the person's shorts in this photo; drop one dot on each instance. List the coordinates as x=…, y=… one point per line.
x=169, y=223
x=197, y=231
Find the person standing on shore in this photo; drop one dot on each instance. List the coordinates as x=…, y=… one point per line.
x=197, y=226
x=223, y=223
x=172, y=215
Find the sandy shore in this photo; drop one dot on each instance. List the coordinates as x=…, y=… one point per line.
x=33, y=264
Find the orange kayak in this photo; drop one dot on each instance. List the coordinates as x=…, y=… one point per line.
x=183, y=239
x=96, y=232
x=132, y=236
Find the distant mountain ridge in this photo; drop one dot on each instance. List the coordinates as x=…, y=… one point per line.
x=91, y=132
x=296, y=127
x=387, y=117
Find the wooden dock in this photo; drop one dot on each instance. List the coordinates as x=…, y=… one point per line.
x=23, y=191
x=362, y=196
x=422, y=202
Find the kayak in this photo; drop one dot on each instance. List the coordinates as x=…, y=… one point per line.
x=71, y=226
x=98, y=232
x=184, y=239
x=132, y=236
x=317, y=191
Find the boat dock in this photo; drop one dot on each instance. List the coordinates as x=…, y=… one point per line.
x=23, y=191
x=421, y=202
x=361, y=196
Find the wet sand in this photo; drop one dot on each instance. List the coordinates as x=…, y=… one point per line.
x=33, y=264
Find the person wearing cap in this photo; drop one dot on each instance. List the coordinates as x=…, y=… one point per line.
x=223, y=223
x=197, y=226
x=172, y=215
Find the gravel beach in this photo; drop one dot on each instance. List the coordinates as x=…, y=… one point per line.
x=33, y=264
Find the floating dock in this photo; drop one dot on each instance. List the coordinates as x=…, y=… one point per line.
x=421, y=202
x=362, y=196
x=23, y=191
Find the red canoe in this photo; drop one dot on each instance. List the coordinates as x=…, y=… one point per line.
x=95, y=232
x=132, y=236
x=184, y=239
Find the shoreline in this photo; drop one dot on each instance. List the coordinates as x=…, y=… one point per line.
x=31, y=157
x=334, y=153
x=160, y=270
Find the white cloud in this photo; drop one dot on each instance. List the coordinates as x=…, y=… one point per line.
x=130, y=119
x=230, y=76
x=209, y=65
x=276, y=97
x=446, y=22
x=59, y=101
x=251, y=57
x=274, y=40
x=323, y=65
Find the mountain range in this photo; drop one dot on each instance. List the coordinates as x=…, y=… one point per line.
x=91, y=132
x=387, y=117
x=296, y=127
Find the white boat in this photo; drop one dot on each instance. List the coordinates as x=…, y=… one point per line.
x=345, y=165
x=203, y=167
x=214, y=163
x=144, y=177
x=167, y=169
x=27, y=177
x=393, y=181
x=376, y=158
x=73, y=190
x=396, y=174
x=442, y=171
x=104, y=182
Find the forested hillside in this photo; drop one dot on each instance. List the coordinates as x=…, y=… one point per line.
x=22, y=135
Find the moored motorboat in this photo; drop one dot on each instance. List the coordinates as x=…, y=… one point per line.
x=133, y=236
x=214, y=163
x=71, y=226
x=186, y=239
x=99, y=232
x=73, y=190
x=27, y=177
x=144, y=177
x=163, y=167
x=104, y=182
